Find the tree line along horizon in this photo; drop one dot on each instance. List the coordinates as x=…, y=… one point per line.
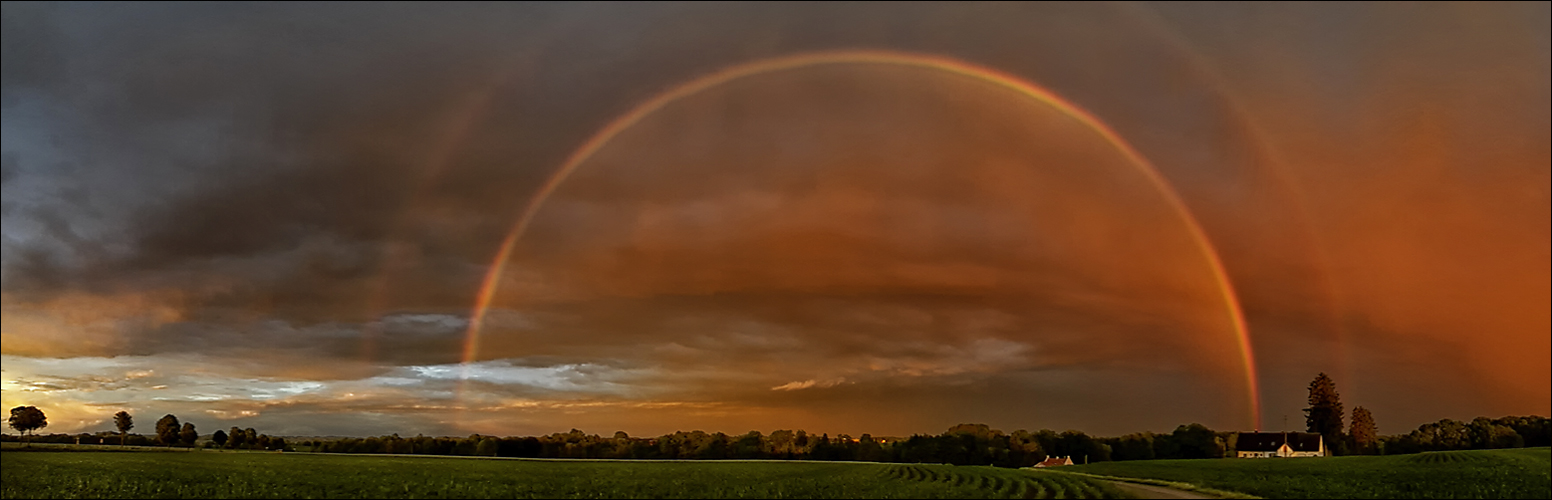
x=169, y=432
x=963, y=444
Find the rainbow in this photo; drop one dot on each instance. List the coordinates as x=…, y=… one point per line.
x=459, y=125
x=1279, y=171
x=1235, y=316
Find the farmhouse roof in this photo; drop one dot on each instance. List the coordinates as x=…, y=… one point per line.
x=1056, y=461
x=1259, y=441
x=1271, y=441
x=1304, y=441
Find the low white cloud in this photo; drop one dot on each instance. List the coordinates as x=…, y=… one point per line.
x=810, y=383
x=580, y=377
x=989, y=355
x=424, y=324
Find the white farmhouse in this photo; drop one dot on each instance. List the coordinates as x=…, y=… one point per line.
x=1280, y=445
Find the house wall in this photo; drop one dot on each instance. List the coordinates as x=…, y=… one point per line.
x=1285, y=451
x=1277, y=454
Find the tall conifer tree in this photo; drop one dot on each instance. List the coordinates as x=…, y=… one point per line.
x=1325, y=412
x=1365, y=434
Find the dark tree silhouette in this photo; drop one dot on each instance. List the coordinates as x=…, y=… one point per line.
x=1197, y=441
x=124, y=422
x=486, y=448
x=236, y=438
x=26, y=419
x=1487, y=433
x=1363, y=431
x=219, y=438
x=1325, y=413
x=188, y=435
x=167, y=430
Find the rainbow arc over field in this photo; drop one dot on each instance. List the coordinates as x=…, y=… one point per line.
x=1234, y=314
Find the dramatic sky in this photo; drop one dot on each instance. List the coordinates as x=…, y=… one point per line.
x=282, y=216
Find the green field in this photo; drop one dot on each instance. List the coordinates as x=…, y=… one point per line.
x=1519, y=473
x=91, y=474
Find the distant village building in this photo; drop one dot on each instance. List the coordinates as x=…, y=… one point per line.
x=1054, y=462
x=1280, y=445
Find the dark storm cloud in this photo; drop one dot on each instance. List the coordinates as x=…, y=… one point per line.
x=259, y=128
x=254, y=129
x=310, y=348
x=30, y=47
x=7, y=168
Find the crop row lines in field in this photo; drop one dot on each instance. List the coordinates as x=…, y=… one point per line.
x=999, y=482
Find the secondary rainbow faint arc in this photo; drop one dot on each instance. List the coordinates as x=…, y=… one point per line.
x=635, y=115
x=1269, y=151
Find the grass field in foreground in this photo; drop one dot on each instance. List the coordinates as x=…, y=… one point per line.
x=1518, y=473
x=273, y=475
